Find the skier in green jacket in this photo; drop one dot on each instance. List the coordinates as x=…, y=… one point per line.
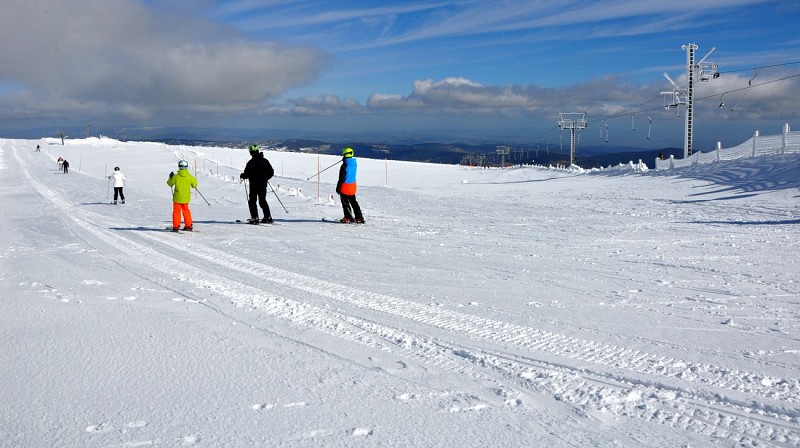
x=181, y=195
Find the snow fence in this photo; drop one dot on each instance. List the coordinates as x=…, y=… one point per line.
x=757, y=145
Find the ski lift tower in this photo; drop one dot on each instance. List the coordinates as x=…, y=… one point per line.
x=574, y=121
x=702, y=70
x=503, y=152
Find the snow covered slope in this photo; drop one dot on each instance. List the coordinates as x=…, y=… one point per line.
x=517, y=307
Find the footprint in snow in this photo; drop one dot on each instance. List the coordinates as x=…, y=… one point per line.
x=191, y=439
x=315, y=434
x=476, y=407
x=260, y=406
x=361, y=432
x=100, y=427
x=92, y=282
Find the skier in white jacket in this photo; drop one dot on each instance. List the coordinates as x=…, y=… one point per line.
x=119, y=182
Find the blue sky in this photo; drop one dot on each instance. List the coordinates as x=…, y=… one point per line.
x=416, y=70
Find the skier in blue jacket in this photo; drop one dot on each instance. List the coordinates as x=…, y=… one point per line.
x=346, y=187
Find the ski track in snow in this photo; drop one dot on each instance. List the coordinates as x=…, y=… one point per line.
x=518, y=360
x=632, y=396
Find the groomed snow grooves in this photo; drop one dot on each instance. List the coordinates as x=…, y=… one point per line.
x=660, y=389
x=519, y=360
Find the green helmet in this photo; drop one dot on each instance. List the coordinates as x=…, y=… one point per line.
x=348, y=152
x=253, y=148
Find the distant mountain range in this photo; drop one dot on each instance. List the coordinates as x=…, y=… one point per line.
x=393, y=149
x=453, y=153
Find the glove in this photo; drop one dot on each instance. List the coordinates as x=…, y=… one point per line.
x=241, y=176
x=171, y=174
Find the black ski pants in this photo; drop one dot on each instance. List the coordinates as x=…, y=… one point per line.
x=118, y=192
x=258, y=194
x=349, y=203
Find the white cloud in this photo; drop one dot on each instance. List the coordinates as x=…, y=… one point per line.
x=461, y=95
x=123, y=56
x=311, y=13
x=322, y=105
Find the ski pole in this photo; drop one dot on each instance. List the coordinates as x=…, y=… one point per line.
x=201, y=195
x=108, y=189
x=246, y=196
x=324, y=170
x=276, y=195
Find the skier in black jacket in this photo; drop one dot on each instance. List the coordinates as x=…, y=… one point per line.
x=259, y=171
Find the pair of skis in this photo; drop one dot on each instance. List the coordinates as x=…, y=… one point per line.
x=170, y=229
x=339, y=221
x=239, y=221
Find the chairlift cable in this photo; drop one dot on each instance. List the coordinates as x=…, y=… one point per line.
x=740, y=100
x=713, y=95
x=763, y=66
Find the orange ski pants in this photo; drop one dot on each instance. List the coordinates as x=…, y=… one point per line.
x=177, y=209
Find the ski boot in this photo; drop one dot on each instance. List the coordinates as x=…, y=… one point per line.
x=253, y=221
x=267, y=220
x=360, y=221
x=346, y=220
x=188, y=228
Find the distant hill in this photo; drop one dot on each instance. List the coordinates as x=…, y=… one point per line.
x=587, y=156
x=450, y=153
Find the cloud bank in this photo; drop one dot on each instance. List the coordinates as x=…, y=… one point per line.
x=124, y=58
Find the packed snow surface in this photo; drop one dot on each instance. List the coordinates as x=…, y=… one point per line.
x=476, y=307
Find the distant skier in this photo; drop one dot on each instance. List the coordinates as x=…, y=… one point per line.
x=60, y=162
x=65, y=166
x=183, y=182
x=38, y=148
x=346, y=187
x=259, y=171
x=119, y=183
